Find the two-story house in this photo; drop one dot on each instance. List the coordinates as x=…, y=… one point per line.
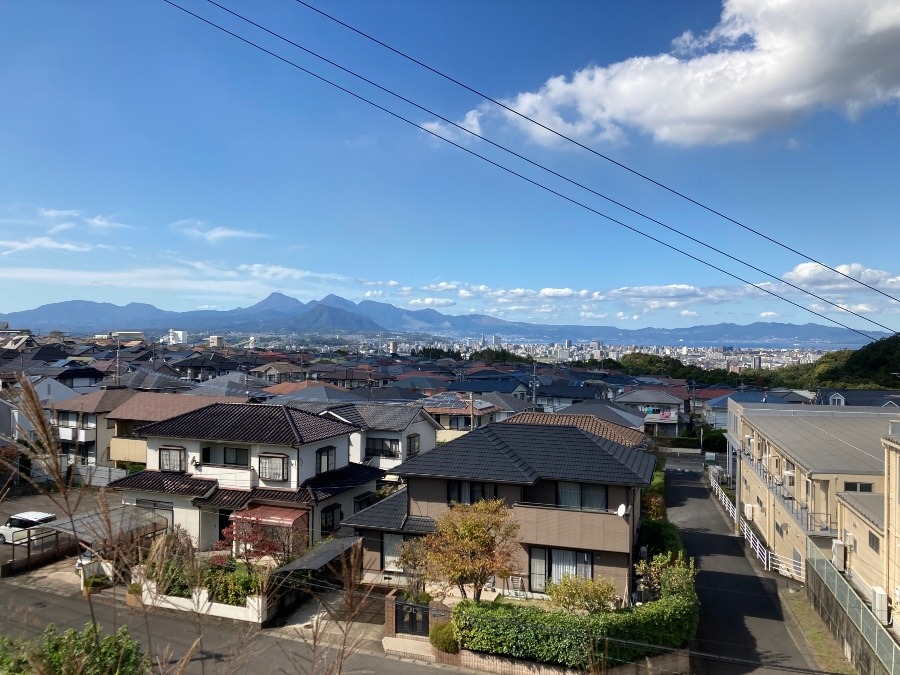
x=575, y=496
x=661, y=410
x=271, y=464
x=388, y=433
x=84, y=431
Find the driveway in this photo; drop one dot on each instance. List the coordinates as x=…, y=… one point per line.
x=740, y=614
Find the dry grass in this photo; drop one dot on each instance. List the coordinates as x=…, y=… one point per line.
x=825, y=648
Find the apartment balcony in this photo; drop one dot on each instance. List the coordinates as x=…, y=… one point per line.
x=229, y=475
x=128, y=450
x=563, y=527
x=814, y=523
x=77, y=434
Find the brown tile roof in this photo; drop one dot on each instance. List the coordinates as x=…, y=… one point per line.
x=291, y=387
x=147, y=406
x=249, y=423
x=166, y=482
x=630, y=438
x=96, y=402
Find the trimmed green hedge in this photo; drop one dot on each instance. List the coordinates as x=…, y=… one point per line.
x=660, y=536
x=573, y=640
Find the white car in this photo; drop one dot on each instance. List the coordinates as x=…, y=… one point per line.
x=23, y=521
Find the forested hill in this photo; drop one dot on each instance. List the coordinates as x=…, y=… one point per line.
x=876, y=365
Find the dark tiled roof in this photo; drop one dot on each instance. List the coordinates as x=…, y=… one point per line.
x=391, y=417
x=626, y=436
x=524, y=453
x=225, y=499
x=335, y=482
x=568, y=391
x=390, y=514
x=476, y=386
x=249, y=423
x=165, y=481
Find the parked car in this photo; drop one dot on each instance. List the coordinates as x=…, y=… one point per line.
x=23, y=521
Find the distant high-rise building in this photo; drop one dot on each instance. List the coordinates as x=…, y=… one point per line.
x=177, y=337
x=216, y=341
x=568, y=344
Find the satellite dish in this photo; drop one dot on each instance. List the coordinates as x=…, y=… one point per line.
x=621, y=511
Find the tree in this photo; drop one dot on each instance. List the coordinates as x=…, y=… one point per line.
x=247, y=540
x=471, y=544
x=413, y=560
x=666, y=575
x=577, y=594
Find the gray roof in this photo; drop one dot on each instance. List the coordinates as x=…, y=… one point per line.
x=607, y=410
x=870, y=505
x=390, y=514
x=320, y=556
x=387, y=416
x=526, y=453
x=649, y=396
x=836, y=444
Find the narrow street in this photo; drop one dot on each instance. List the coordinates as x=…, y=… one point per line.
x=740, y=616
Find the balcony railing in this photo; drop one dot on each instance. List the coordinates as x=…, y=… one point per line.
x=78, y=434
x=811, y=521
x=229, y=475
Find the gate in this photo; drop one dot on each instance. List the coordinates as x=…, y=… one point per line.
x=411, y=619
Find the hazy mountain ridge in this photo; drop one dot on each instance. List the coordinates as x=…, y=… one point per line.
x=279, y=313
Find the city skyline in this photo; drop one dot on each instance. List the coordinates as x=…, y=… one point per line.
x=152, y=158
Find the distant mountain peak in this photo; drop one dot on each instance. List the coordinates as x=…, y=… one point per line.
x=278, y=302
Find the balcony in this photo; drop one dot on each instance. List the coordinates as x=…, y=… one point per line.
x=229, y=475
x=128, y=450
x=817, y=523
x=77, y=434
x=562, y=527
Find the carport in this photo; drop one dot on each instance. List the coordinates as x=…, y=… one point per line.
x=99, y=530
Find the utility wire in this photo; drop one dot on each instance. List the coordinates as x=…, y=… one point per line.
x=515, y=173
x=547, y=169
x=591, y=150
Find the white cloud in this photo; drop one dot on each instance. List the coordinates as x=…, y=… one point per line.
x=432, y=302
x=42, y=243
x=53, y=214
x=373, y=294
x=471, y=122
x=768, y=315
x=61, y=227
x=689, y=314
x=441, y=287
x=765, y=64
x=390, y=283
x=463, y=293
x=587, y=315
x=101, y=223
x=213, y=235
x=276, y=272
x=556, y=293
x=812, y=275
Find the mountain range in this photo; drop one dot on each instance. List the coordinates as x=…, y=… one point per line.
x=282, y=314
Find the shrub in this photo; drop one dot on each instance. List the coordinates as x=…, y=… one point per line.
x=134, y=588
x=660, y=536
x=96, y=581
x=576, y=594
x=443, y=637
x=231, y=585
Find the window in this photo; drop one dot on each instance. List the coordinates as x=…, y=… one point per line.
x=206, y=456
x=552, y=564
x=857, y=487
x=171, y=459
x=331, y=519
x=325, y=458
x=581, y=495
x=382, y=447
x=413, y=444
x=874, y=542
x=390, y=551
x=237, y=456
x=469, y=491
x=273, y=467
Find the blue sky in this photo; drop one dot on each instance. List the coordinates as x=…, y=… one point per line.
x=145, y=156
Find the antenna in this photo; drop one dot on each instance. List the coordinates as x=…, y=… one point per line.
x=621, y=511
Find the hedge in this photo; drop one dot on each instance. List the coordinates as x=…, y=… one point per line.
x=574, y=640
x=660, y=536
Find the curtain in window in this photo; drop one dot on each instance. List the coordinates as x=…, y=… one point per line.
x=465, y=492
x=593, y=496
x=569, y=495
x=585, y=564
x=562, y=563
x=538, y=569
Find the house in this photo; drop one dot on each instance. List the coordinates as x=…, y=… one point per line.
x=859, y=397
x=268, y=464
x=576, y=497
x=715, y=411
x=388, y=434
x=555, y=397
x=630, y=438
x=662, y=411
x=278, y=372
x=458, y=413
x=144, y=408
x=483, y=386
x=81, y=423
x=609, y=411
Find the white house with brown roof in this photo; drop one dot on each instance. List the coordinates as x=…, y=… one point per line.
x=270, y=464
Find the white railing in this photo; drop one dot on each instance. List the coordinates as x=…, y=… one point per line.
x=792, y=568
x=720, y=494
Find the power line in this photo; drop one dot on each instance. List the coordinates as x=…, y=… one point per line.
x=593, y=151
x=547, y=169
x=512, y=172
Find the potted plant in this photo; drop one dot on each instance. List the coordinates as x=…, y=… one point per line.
x=94, y=584
x=133, y=596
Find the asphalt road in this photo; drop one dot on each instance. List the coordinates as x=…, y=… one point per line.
x=228, y=647
x=740, y=615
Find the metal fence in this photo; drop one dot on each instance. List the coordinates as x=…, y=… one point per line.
x=82, y=474
x=411, y=619
x=878, y=637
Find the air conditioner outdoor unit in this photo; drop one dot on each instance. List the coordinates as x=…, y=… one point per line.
x=748, y=511
x=880, y=605
x=848, y=540
x=839, y=555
